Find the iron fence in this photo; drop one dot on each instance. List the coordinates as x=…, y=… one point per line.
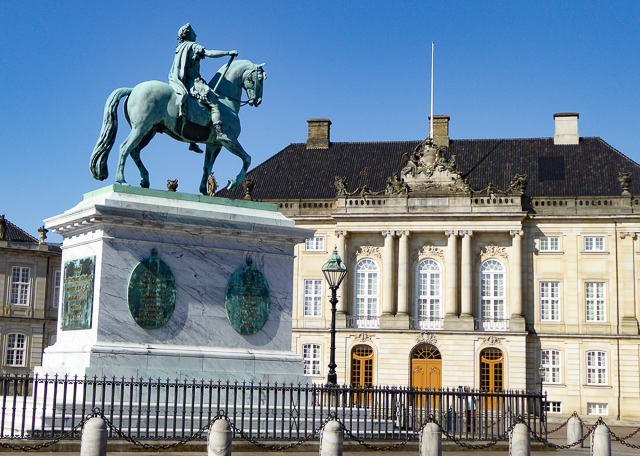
x=47, y=407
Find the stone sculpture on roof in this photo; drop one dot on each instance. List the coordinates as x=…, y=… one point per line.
x=187, y=109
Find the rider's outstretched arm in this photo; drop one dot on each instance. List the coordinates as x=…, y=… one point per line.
x=218, y=54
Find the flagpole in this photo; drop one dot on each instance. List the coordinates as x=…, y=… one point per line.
x=431, y=118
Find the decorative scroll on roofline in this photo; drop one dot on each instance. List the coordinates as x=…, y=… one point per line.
x=428, y=170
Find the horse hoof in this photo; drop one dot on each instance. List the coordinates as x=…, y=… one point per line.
x=144, y=184
x=231, y=184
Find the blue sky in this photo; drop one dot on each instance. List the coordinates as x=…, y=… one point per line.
x=502, y=69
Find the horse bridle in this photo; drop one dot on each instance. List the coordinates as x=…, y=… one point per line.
x=254, y=83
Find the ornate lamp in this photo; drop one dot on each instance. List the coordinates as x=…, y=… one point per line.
x=334, y=271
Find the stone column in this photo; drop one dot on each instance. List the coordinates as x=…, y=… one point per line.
x=516, y=320
x=466, y=275
x=341, y=307
x=466, y=279
x=626, y=282
x=387, y=274
x=451, y=266
x=403, y=272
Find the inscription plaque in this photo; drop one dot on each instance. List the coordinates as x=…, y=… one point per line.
x=152, y=292
x=247, y=300
x=77, y=293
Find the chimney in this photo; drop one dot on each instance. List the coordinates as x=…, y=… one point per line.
x=319, y=133
x=440, y=130
x=566, y=128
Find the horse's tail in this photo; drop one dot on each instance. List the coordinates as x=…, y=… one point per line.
x=107, y=137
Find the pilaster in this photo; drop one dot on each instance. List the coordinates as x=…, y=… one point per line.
x=516, y=320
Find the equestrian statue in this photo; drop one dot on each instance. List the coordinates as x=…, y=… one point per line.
x=187, y=109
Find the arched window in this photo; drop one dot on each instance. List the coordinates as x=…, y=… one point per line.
x=367, y=274
x=493, y=296
x=429, y=295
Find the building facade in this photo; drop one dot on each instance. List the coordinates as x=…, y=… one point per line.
x=30, y=284
x=494, y=264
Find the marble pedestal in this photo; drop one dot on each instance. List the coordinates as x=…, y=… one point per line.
x=204, y=241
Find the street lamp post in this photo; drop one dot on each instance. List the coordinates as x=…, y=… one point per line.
x=334, y=271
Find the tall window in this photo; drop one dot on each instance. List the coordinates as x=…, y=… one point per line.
x=549, y=301
x=550, y=363
x=311, y=355
x=312, y=298
x=315, y=244
x=596, y=368
x=595, y=301
x=367, y=289
x=429, y=291
x=56, y=288
x=550, y=244
x=594, y=244
x=492, y=288
x=16, y=344
x=20, y=286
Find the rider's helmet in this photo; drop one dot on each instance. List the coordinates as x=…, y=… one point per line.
x=186, y=33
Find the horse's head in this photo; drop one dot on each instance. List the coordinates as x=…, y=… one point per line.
x=252, y=81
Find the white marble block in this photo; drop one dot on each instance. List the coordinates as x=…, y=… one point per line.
x=203, y=240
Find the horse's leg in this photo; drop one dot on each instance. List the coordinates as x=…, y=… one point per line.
x=236, y=149
x=135, y=156
x=209, y=159
x=128, y=145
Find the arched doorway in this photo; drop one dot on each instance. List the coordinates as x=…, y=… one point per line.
x=426, y=367
x=361, y=372
x=491, y=371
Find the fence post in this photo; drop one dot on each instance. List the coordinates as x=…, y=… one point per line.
x=601, y=442
x=519, y=444
x=431, y=440
x=574, y=432
x=331, y=440
x=94, y=438
x=220, y=436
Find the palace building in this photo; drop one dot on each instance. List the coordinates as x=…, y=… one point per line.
x=30, y=289
x=496, y=264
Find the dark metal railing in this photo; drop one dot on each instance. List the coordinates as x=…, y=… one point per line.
x=46, y=407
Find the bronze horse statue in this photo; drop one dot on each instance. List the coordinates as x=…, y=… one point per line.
x=150, y=108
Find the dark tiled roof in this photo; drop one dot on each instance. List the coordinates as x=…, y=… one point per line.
x=588, y=169
x=16, y=234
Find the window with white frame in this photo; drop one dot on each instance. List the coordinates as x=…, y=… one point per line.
x=367, y=288
x=597, y=408
x=550, y=363
x=15, y=350
x=56, y=288
x=596, y=302
x=550, y=244
x=311, y=355
x=313, y=298
x=549, y=301
x=429, y=290
x=596, y=367
x=492, y=289
x=315, y=244
x=553, y=406
x=20, y=286
x=594, y=244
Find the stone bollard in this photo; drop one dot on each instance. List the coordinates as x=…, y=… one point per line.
x=331, y=440
x=219, y=441
x=431, y=440
x=574, y=432
x=94, y=438
x=601, y=441
x=519, y=444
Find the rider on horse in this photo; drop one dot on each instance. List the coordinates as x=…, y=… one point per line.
x=185, y=78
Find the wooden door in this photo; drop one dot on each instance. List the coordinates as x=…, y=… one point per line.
x=491, y=372
x=426, y=370
x=362, y=372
